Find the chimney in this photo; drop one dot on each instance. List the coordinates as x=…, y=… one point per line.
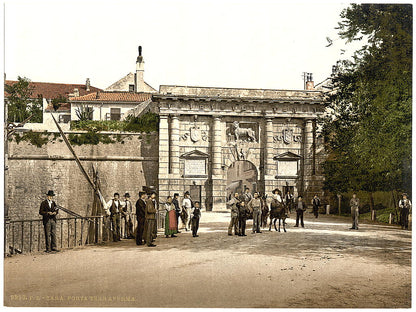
x=76, y=92
x=87, y=84
x=309, y=82
x=97, y=95
x=139, y=85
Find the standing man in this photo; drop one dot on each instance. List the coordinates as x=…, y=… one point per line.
x=300, y=209
x=405, y=205
x=150, y=213
x=49, y=210
x=242, y=218
x=175, y=203
x=255, y=206
x=316, y=202
x=355, y=207
x=233, y=204
x=289, y=201
x=187, y=206
x=196, y=215
x=115, y=208
x=140, y=215
x=126, y=216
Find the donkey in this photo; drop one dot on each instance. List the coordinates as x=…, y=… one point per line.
x=277, y=211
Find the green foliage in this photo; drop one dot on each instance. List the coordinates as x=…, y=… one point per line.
x=35, y=138
x=368, y=133
x=91, y=137
x=58, y=101
x=84, y=112
x=20, y=104
x=149, y=122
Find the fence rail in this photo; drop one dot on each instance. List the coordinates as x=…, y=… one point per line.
x=27, y=236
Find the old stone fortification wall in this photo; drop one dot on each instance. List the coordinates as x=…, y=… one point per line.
x=121, y=168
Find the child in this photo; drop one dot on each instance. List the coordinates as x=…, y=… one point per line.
x=196, y=215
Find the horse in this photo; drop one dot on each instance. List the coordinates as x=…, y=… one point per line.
x=277, y=211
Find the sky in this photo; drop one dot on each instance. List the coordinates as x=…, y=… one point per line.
x=238, y=44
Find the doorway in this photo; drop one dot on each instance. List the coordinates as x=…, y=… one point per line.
x=241, y=174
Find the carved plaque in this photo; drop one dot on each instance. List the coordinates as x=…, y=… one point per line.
x=195, y=167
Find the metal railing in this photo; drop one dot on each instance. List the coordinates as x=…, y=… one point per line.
x=26, y=236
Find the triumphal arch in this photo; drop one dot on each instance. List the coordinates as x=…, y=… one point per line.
x=215, y=141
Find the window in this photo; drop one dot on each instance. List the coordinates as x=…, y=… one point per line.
x=115, y=113
x=131, y=88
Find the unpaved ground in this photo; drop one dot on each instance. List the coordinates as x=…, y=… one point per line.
x=325, y=265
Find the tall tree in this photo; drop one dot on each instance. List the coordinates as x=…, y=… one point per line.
x=20, y=102
x=368, y=129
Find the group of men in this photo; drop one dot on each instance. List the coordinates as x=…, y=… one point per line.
x=242, y=208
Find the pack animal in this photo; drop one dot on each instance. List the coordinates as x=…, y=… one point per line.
x=277, y=211
x=243, y=132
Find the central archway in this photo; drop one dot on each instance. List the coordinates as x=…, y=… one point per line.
x=240, y=175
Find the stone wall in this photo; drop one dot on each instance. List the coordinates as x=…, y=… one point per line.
x=121, y=168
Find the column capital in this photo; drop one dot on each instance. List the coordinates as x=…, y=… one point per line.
x=217, y=117
x=163, y=116
x=174, y=116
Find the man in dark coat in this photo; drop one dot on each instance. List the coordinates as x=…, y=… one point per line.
x=48, y=209
x=316, y=202
x=150, y=214
x=405, y=206
x=175, y=203
x=196, y=215
x=140, y=215
x=300, y=209
x=242, y=218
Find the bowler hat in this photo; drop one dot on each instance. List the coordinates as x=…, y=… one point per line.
x=187, y=193
x=127, y=195
x=50, y=193
x=141, y=193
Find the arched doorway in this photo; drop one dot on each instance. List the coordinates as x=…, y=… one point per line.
x=240, y=175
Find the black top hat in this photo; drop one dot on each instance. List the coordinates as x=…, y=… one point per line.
x=50, y=193
x=127, y=195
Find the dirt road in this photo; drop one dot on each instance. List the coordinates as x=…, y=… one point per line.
x=324, y=265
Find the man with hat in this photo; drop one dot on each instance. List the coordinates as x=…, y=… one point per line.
x=140, y=215
x=114, y=205
x=127, y=217
x=49, y=210
x=175, y=203
x=300, y=209
x=150, y=214
x=355, y=211
x=405, y=205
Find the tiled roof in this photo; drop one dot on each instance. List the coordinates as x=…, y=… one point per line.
x=49, y=90
x=63, y=108
x=113, y=96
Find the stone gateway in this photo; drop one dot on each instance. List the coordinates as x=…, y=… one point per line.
x=215, y=141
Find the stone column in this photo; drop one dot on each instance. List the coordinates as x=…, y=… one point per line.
x=270, y=171
x=174, y=146
x=163, y=156
x=307, y=159
x=217, y=172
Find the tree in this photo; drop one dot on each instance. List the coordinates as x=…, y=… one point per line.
x=21, y=104
x=368, y=129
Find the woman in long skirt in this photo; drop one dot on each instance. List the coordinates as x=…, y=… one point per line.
x=171, y=226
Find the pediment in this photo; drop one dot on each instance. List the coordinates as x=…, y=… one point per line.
x=287, y=156
x=194, y=154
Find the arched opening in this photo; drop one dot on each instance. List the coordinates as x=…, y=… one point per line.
x=240, y=175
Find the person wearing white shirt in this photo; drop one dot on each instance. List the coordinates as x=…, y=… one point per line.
x=127, y=217
x=115, y=206
x=405, y=206
x=187, y=206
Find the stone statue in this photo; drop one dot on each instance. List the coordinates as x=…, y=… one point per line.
x=248, y=132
